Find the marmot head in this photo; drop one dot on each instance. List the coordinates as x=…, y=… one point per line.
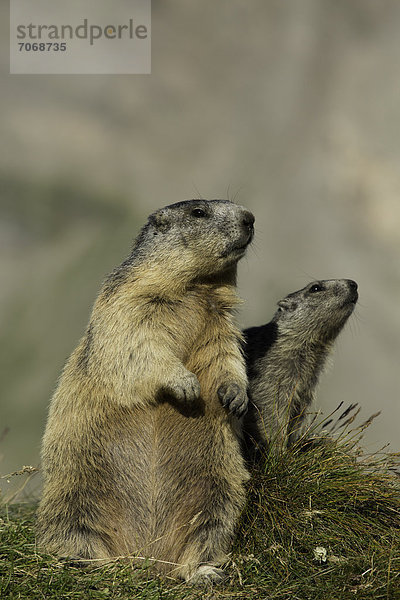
x=317, y=312
x=196, y=238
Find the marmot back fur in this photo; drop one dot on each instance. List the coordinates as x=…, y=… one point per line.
x=141, y=455
x=286, y=356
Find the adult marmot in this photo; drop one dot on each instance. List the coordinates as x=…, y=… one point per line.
x=286, y=356
x=141, y=455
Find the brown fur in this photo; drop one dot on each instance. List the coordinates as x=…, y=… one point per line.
x=139, y=456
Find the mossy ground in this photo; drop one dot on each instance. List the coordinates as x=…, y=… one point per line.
x=319, y=524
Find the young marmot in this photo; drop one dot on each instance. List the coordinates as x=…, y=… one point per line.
x=285, y=358
x=141, y=455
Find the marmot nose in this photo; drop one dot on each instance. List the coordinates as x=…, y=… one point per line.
x=352, y=285
x=248, y=219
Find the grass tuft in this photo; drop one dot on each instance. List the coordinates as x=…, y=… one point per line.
x=324, y=523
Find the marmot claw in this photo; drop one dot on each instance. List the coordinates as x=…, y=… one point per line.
x=234, y=398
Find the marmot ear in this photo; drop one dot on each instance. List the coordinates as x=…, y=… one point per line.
x=160, y=222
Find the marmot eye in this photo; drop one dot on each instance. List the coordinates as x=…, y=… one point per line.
x=198, y=212
x=316, y=288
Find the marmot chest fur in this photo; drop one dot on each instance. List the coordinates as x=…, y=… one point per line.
x=141, y=455
x=285, y=358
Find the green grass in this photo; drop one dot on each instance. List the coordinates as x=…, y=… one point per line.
x=332, y=497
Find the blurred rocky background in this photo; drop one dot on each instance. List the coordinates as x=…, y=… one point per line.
x=291, y=108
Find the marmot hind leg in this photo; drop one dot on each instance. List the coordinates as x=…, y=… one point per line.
x=206, y=551
x=207, y=575
x=82, y=547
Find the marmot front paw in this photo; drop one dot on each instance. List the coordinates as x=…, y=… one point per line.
x=185, y=388
x=234, y=398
